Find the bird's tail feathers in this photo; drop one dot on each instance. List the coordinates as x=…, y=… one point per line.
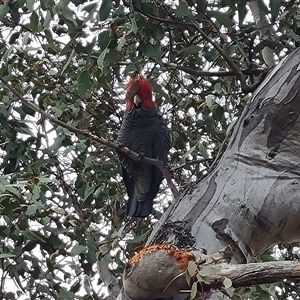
x=139, y=209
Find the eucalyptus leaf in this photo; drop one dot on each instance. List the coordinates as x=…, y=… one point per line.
x=78, y=249
x=221, y=18
x=182, y=9
x=193, y=290
x=7, y=255
x=4, y=9
x=66, y=295
x=100, y=60
x=83, y=83
x=30, y=4
x=105, y=9
x=227, y=283
x=242, y=10
x=31, y=210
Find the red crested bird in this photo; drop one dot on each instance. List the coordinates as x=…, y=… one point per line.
x=144, y=132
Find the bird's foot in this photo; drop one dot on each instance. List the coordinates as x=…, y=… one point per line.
x=141, y=155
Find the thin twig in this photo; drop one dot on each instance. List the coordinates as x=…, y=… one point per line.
x=192, y=162
x=226, y=57
x=133, y=155
x=209, y=73
x=60, y=176
x=191, y=71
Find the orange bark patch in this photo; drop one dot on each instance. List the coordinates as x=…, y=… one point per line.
x=181, y=256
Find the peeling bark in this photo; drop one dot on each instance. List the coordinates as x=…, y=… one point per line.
x=250, y=201
x=157, y=274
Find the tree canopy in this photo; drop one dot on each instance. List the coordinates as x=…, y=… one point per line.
x=61, y=192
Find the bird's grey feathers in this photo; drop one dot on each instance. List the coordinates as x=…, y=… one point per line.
x=144, y=132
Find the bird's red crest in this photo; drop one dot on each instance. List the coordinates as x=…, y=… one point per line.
x=143, y=83
x=141, y=87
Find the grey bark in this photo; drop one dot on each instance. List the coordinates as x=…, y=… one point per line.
x=250, y=201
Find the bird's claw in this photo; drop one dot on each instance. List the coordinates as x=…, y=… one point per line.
x=141, y=156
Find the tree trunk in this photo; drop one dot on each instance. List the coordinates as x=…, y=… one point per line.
x=250, y=201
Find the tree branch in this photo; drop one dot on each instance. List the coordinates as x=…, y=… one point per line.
x=230, y=62
x=133, y=155
x=238, y=73
x=192, y=162
x=142, y=277
x=60, y=177
x=256, y=273
x=211, y=74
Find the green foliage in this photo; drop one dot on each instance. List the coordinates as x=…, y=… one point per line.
x=62, y=194
x=261, y=292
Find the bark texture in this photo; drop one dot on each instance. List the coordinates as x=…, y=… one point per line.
x=250, y=201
